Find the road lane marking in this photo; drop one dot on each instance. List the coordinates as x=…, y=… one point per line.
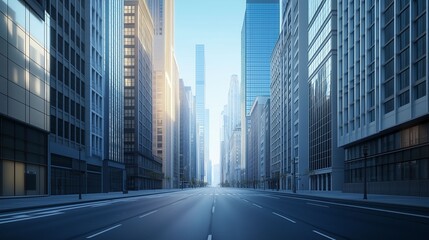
x=360, y=207
x=209, y=237
x=270, y=196
x=318, y=205
x=111, y=228
x=213, y=209
x=28, y=218
x=147, y=214
x=321, y=234
x=245, y=200
x=290, y=220
x=257, y=205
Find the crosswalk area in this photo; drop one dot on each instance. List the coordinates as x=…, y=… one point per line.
x=48, y=212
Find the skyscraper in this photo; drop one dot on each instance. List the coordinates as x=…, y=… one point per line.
x=69, y=93
x=325, y=158
x=383, y=102
x=113, y=165
x=24, y=98
x=143, y=170
x=95, y=68
x=200, y=99
x=165, y=91
x=258, y=37
x=185, y=133
x=294, y=96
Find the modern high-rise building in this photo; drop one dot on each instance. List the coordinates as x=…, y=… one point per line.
x=165, y=91
x=185, y=134
x=143, y=170
x=292, y=128
x=234, y=104
x=113, y=164
x=234, y=166
x=383, y=104
x=193, y=137
x=276, y=112
x=256, y=145
x=200, y=108
x=325, y=158
x=69, y=93
x=224, y=147
x=206, y=144
x=24, y=98
x=95, y=67
x=258, y=37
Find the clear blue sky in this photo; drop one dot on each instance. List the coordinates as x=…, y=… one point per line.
x=216, y=24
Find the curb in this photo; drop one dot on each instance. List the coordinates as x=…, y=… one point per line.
x=366, y=203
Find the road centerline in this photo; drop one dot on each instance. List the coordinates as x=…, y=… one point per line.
x=106, y=230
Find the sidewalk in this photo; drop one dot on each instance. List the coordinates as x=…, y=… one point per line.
x=414, y=201
x=23, y=203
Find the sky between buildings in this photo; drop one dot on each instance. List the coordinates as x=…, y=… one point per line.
x=216, y=24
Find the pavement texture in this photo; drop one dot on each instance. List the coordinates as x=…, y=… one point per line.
x=218, y=214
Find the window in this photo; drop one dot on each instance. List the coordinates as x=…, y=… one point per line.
x=66, y=104
x=420, y=69
x=389, y=106
x=66, y=130
x=404, y=98
x=403, y=79
x=420, y=47
x=420, y=90
x=60, y=100
x=53, y=125
x=60, y=127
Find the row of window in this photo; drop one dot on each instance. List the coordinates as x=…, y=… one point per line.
x=67, y=130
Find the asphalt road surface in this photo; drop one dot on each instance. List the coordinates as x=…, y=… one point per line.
x=217, y=214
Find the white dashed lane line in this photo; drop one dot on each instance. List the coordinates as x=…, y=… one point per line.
x=106, y=230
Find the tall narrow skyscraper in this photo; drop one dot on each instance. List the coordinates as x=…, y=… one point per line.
x=69, y=90
x=94, y=98
x=143, y=170
x=325, y=158
x=113, y=164
x=200, y=99
x=165, y=91
x=258, y=37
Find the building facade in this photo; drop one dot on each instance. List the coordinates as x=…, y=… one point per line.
x=257, y=147
x=383, y=99
x=69, y=90
x=143, y=170
x=185, y=135
x=113, y=164
x=325, y=158
x=24, y=98
x=200, y=99
x=259, y=34
x=276, y=107
x=165, y=91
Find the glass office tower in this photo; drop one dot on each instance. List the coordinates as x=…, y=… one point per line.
x=259, y=35
x=24, y=98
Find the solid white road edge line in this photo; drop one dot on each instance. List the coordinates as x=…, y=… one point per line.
x=94, y=235
x=290, y=220
x=209, y=237
x=360, y=207
x=321, y=234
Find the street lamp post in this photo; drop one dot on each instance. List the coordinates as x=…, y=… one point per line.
x=294, y=175
x=365, y=154
x=80, y=176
